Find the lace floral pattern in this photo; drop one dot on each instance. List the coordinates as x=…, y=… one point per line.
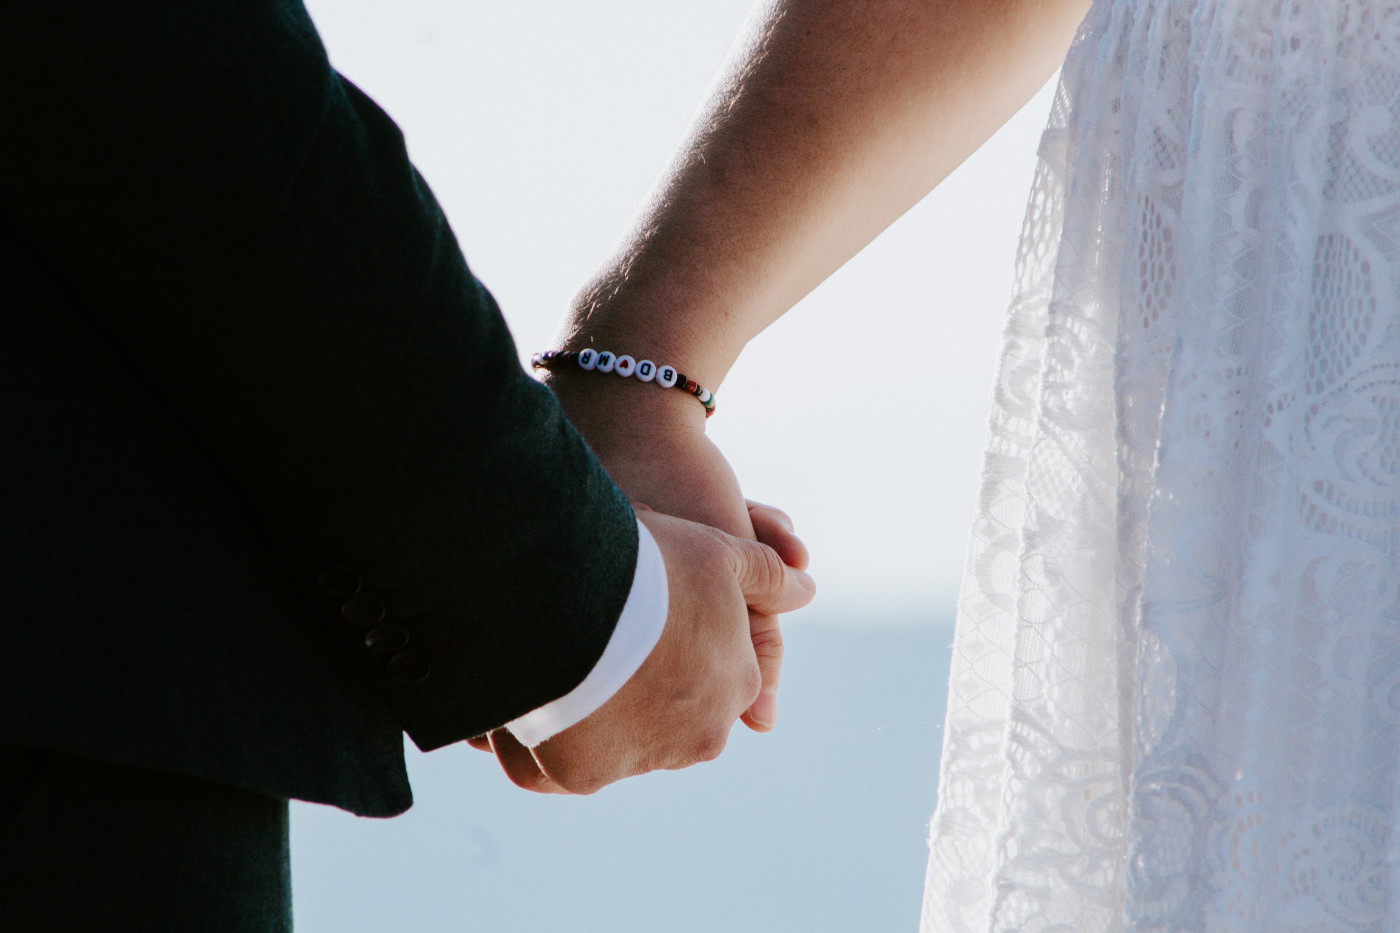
x=1175, y=693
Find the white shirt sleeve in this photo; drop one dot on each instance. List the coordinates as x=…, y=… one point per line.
x=637, y=632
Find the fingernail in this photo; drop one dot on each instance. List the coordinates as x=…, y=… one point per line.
x=765, y=709
x=805, y=580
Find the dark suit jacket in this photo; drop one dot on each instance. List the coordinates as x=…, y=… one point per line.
x=240, y=348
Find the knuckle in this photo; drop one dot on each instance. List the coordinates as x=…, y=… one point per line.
x=770, y=564
x=764, y=566
x=768, y=643
x=576, y=780
x=587, y=787
x=710, y=744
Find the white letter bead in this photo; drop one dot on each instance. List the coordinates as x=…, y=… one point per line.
x=587, y=359
x=646, y=371
x=666, y=376
x=606, y=362
x=624, y=366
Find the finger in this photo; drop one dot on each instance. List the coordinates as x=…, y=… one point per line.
x=774, y=528
x=769, y=586
x=520, y=766
x=777, y=514
x=768, y=646
x=592, y=754
x=481, y=743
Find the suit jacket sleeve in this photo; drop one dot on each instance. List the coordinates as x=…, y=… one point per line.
x=248, y=227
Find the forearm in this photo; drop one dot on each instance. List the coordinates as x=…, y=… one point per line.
x=832, y=120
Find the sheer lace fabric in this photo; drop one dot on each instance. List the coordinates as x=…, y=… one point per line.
x=1175, y=692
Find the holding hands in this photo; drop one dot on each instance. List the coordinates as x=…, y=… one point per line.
x=829, y=121
x=732, y=567
x=701, y=676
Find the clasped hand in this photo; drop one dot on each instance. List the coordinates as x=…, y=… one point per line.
x=732, y=567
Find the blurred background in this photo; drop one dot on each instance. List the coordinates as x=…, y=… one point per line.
x=540, y=125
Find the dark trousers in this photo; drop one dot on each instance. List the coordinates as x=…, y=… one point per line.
x=86, y=845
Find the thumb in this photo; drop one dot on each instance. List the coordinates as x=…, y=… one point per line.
x=769, y=586
x=773, y=527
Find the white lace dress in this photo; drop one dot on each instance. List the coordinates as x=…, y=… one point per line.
x=1175, y=696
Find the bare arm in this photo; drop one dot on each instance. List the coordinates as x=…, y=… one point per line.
x=833, y=119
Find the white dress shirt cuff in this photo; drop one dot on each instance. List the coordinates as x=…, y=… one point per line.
x=637, y=632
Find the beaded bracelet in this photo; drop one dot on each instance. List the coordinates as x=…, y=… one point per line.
x=605, y=361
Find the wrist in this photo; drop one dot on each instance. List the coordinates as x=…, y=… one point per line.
x=624, y=366
x=612, y=412
x=629, y=313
